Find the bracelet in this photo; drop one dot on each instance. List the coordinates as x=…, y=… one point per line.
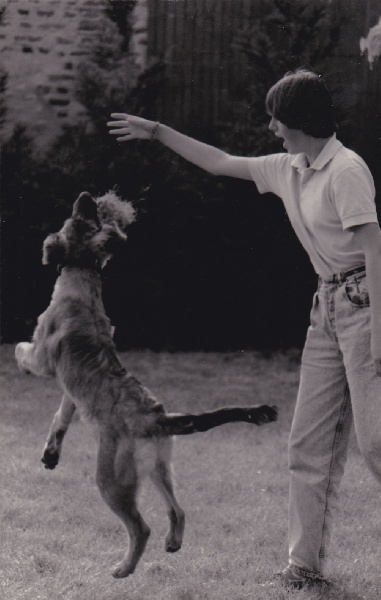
x=154, y=131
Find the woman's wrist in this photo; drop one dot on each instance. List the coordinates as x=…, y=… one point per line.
x=155, y=131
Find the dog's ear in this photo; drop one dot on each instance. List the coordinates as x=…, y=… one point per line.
x=86, y=208
x=54, y=250
x=107, y=241
x=113, y=237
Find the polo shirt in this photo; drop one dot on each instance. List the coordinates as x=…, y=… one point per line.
x=323, y=201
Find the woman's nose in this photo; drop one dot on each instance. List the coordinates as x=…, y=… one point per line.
x=272, y=124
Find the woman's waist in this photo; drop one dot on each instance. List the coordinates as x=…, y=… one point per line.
x=342, y=276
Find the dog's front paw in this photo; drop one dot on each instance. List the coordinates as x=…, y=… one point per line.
x=50, y=458
x=263, y=414
x=21, y=352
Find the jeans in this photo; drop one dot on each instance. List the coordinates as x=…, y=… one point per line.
x=338, y=387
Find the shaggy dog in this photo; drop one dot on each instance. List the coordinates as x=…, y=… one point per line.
x=73, y=342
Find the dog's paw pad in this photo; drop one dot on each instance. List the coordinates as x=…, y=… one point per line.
x=121, y=570
x=172, y=547
x=50, y=460
x=265, y=414
x=272, y=413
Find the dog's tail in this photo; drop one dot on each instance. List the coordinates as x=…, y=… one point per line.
x=183, y=424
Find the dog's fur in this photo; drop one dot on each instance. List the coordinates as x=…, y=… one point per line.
x=73, y=342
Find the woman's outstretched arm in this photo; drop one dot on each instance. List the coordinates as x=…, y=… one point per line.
x=217, y=162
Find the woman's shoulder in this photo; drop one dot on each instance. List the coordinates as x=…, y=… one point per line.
x=346, y=158
x=275, y=160
x=349, y=171
x=270, y=171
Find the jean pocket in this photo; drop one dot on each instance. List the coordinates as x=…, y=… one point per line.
x=356, y=291
x=314, y=309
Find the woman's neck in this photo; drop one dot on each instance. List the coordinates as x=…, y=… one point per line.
x=313, y=147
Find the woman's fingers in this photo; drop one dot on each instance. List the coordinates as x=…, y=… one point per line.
x=129, y=127
x=118, y=130
x=120, y=127
x=119, y=116
x=117, y=123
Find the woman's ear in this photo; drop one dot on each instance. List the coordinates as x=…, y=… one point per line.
x=54, y=250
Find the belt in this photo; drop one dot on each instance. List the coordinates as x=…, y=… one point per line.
x=341, y=277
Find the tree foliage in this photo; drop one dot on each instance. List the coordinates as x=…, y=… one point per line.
x=3, y=86
x=286, y=36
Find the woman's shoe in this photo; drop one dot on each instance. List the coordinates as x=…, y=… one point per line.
x=295, y=578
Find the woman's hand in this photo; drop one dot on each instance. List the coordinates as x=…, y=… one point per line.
x=129, y=127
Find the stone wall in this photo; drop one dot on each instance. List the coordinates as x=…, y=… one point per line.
x=42, y=43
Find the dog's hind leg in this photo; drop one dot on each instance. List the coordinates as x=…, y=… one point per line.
x=162, y=478
x=117, y=481
x=60, y=424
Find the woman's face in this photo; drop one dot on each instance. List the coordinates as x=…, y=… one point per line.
x=293, y=139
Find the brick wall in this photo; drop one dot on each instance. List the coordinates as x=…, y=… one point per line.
x=42, y=43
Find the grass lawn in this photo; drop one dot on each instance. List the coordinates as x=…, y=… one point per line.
x=59, y=540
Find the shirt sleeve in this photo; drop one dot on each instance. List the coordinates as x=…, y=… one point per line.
x=268, y=172
x=354, y=197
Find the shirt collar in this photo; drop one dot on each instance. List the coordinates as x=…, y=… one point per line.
x=330, y=149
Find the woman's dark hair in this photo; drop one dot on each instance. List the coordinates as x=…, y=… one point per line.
x=301, y=100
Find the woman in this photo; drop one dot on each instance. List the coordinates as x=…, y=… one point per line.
x=328, y=193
